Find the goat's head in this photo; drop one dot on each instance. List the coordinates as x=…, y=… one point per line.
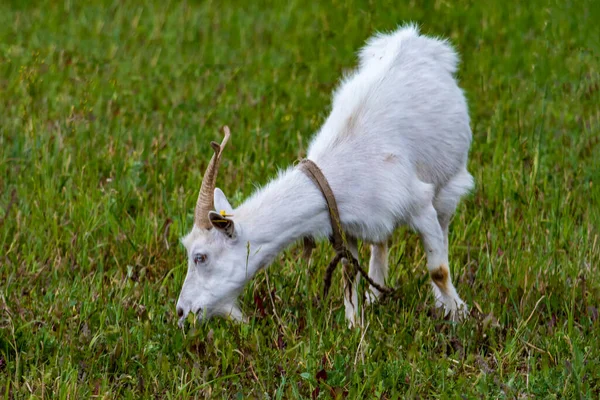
x=215, y=251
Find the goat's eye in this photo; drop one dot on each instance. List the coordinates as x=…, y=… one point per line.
x=199, y=258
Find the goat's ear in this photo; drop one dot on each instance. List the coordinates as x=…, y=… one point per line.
x=222, y=223
x=221, y=203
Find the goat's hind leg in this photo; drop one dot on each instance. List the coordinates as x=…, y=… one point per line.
x=426, y=223
x=447, y=199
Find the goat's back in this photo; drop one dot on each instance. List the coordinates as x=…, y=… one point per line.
x=402, y=100
x=398, y=121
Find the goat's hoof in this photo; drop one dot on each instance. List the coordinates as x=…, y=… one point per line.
x=372, y=297
x=460, y=313
x=354, y=324
x=354, y=321
x=455, y=310
x=351, y=321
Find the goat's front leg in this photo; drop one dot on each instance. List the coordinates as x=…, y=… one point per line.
x=350, y=280
x=428, y=226
x=378, y=269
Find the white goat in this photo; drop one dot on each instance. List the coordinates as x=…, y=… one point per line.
x=394, y=151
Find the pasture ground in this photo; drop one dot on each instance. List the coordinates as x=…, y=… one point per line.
x=107, y=109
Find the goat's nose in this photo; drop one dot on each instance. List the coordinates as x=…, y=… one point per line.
x=179, y=312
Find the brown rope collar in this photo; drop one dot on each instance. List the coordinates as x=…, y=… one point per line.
x=316, y=175
x=338, y=239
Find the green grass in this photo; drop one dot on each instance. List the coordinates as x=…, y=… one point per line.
x=107, y=109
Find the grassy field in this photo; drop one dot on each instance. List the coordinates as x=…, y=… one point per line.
x=107, y=109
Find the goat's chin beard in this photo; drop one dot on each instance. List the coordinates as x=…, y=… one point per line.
x=227, y=309
x=237, y=315
x=231, y=311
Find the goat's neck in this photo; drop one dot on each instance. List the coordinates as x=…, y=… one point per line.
x=287, y=209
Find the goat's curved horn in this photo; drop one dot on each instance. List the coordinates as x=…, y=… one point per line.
x=205, y=202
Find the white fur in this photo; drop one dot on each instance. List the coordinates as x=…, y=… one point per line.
x=394, y=150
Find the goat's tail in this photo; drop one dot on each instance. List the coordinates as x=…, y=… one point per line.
x=386, y=47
